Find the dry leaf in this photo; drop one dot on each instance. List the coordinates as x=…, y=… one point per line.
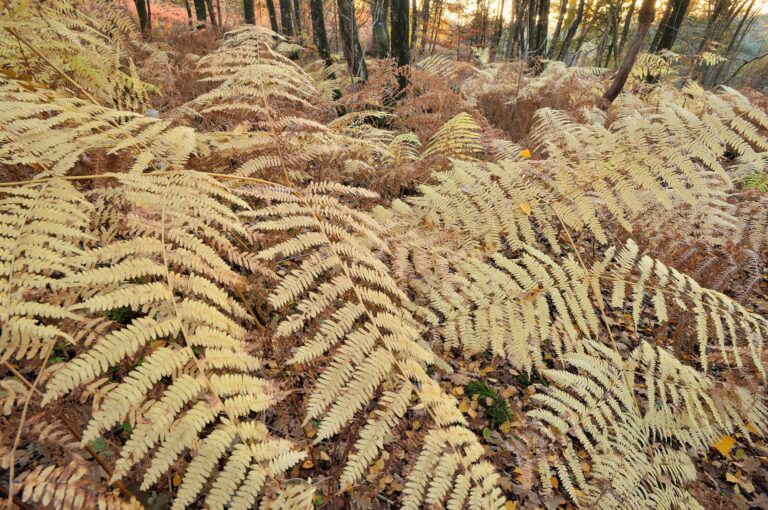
x=724, y=445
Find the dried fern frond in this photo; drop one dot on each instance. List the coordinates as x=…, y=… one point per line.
x=173, y=274
x=458, y=138
x=86, y=46
x=253, y=79
x=344, y=292
x=49, y=132
x=593, y=406
x=67, y=488
x=42, y=228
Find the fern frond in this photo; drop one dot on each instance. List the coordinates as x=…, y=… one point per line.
x=42, y=228
x=50, y=132
x=458, y=138
x=372, y=339
x=172, y=274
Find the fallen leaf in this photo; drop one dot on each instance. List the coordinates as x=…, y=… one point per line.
x=510, y=505
x=724, y=445
x=505, y=427
x=526, y=208
x=308, y=464
x=176, y=481
x=525, y=153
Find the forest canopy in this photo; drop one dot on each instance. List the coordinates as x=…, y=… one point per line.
x=383, y=254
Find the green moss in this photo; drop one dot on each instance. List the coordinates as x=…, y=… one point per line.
x=495, y=406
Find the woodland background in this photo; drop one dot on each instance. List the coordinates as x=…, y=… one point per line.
x=338, y=254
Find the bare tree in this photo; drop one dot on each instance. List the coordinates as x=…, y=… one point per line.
x=297, y=15
x=272, y=15
x=380, y=33
x=249, y=13
x=400, y=48
x=350, y=41
x=644, y=20
x=571, y=31
x=211, y=12
x=285, y=17
x=141, y=10
x=669, y=26
x=200, y=13
x=318, y=26
x=424, y=22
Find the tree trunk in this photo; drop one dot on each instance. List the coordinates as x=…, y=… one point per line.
x=297, y=14
x=218, y=13
x=189, y=13
x=318, y=26
x=673, y=28
x=350, y=42
x=572, y=28
x=380, y=35
x=665, y=18
x=558, y=27
x=141, y=10
x=249, y=12
x=542, y=28
x=211, y=12
x=414, y=24
x=285, y=18
x=200, y=13
x=627, y=24
x=436, y=26
x=149, y=15
x=644, y=20
x=400, y=47
x=499, y=26
x=424, y=22
x=272, y=16
x=531, y=26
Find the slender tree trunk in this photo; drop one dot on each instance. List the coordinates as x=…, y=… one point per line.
x=200, y=13
x=353, y=53
x=644, y=20
x=625, y=30
x=249, y=13
x=424, y=22
x=141, y=10
x=218, y=14
x=272, y=16
x=297, y=14
x=663, y=23
x=189, y=13
x=572, y=28
x=531, y=26
x=735, y=42
x=499, y=30
x=149, y=15
x=542, y=28
x=318, y=27
x=400, y=47
x=558, y=27
x=673, y=26
x=285, y=17
x=211, y=12
x=436, y=26
x=414, y=24
x=380, y=35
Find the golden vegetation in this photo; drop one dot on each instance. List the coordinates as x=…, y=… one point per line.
x=148, y=266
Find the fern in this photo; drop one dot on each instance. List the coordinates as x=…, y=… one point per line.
x=459, y=138
x=373, y=340
x=51, y=132
x=171, y=272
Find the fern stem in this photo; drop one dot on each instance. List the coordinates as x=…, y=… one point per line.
x=158, y=173
x=22, y=421
x=75, y=433
x=599, y=300
x=64, y=75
